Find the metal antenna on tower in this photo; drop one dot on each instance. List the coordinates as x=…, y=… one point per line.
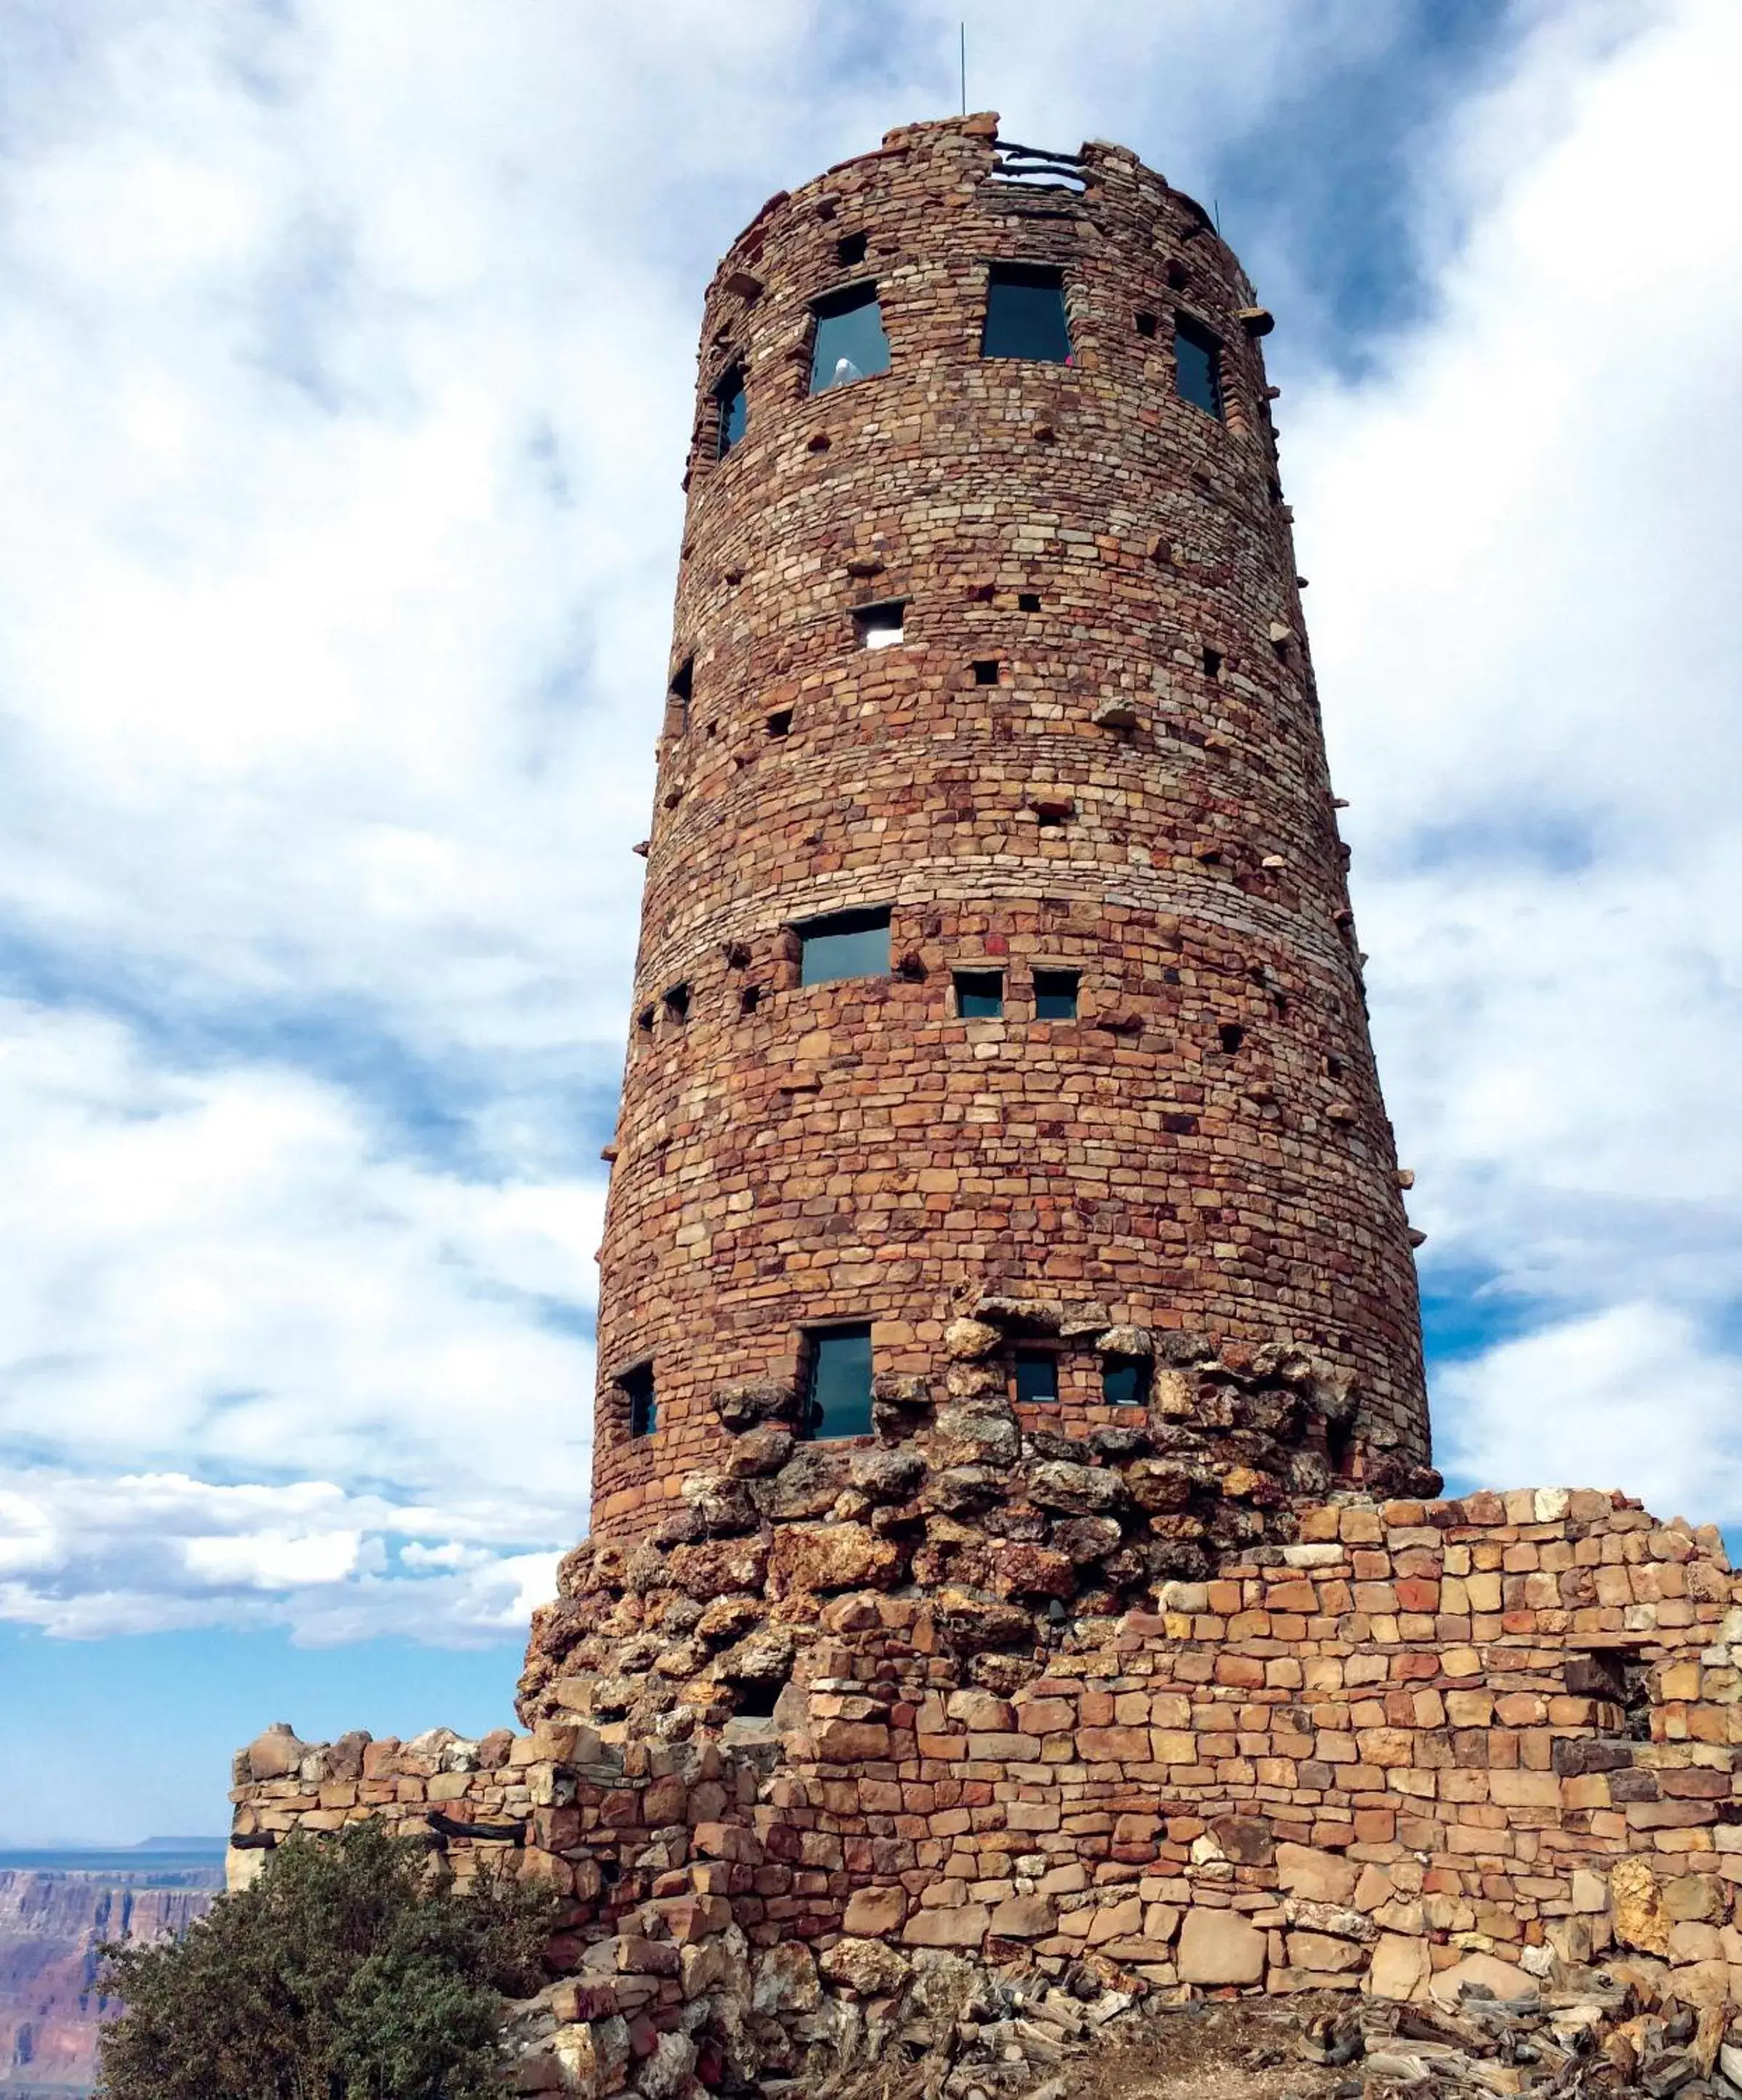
x=964, y=68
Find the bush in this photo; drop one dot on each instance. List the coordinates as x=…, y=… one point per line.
x=350, y=1970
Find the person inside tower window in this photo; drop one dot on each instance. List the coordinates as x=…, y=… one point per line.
x=849, y=342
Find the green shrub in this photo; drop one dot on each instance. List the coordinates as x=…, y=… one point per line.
x=350, y=1970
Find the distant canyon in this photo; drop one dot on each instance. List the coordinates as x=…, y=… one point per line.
x=52, y=1920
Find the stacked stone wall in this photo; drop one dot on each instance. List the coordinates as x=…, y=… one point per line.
x=1138, y=794
x=1489, y=1740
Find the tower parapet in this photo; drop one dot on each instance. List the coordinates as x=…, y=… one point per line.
x=997, y=965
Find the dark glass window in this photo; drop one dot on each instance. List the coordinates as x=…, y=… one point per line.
x=1125, y=1382
x=637, y=1389
x=846, y=944
x=734, y=410
x=1197, y=366
x=837, y=1396
x=1025, y=314
x=980, y=995
x=849, y=343
x=1037, y=1377
x=1056, y=995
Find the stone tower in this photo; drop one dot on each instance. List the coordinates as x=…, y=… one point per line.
x=998, y=1027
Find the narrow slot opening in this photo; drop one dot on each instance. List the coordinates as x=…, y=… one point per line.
x=1230, y=1035
x=644, y=1021
x=750, y=999
x=678, y=1002
x=1212, y=663
x=731, y=409
x=640, y=1402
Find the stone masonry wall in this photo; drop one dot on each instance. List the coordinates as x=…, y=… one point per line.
x=1137, y=791
x=1493, y=1737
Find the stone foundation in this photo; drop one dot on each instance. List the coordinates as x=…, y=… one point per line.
x=1490, y=1737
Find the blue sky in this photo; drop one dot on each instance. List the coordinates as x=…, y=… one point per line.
x=349, y=349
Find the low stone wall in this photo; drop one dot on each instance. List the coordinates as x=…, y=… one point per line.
x=1486, y=1737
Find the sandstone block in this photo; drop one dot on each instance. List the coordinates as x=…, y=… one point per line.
x=1399, y=1968
x=866, y=1966
x=964, y=1925
x=1319, y=1877
x=836, y=1556
x=1219, y=1946
x=871, y=1914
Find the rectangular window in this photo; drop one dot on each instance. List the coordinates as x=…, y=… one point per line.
x=678, y=699
x=980, y=995
x=636, y=1386
x=1197, y=366
x=880, y=626
x=1025, y=314
x=1056, y=995
x=837, y=1392
x=846, y=944
x=849, y=342
x=732, y=408
x=1125, y=1382
x=1037, y=1379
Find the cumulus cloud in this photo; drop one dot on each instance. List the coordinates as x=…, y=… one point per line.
x=349, y=352
x=1518, y=530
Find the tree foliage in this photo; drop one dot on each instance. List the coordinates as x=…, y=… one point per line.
x=350, y=1970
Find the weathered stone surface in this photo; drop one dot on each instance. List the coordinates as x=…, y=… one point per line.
x=1219, y=1946
x=964, y=1925
x=868, y=1967
x=1636, y=1908
x=277, y=1754
x=758, y=1453
x=1319, y=1877
x=1400, y=1968
x=1086, y=1539
x=784, y=1980
x=807, y=1485
x=1074, y=1490
x=708, y=1571
x=871, y=1914
x=838, y=1557
x=973, y=1436
x=1486, y=1972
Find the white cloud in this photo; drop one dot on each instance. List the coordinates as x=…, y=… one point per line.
x=1632, y=1398
x=1520, y=534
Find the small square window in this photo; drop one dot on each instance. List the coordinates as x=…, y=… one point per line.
x=1212, y=663
x=849, y=342
x=1027, y=601
x=1025, y=314
x=732, y=408
x=644, y=1021
x=1056, y=995
x=678, y=1002
x=980, y=995
x=838, y=1385
x=986, y=671
x=851, y=249
x=880, y=626
x=641, y=1404
x=1146, y=324
x=846, y=944
x=1037, y=1378
x=780, y=723
x=1125, y=1382
x=1197, y=366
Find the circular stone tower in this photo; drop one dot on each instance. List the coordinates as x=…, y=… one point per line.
x=998, y=1026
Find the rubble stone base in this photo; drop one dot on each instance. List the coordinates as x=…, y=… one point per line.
x=1427, y=1744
